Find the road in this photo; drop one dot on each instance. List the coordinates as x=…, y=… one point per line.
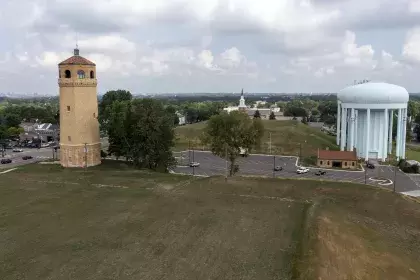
x=263, y=165
x=37, y=154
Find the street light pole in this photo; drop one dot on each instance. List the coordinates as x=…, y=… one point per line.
x=274, y=166
x=193, y=161
x=270, y=142
x=300, y=153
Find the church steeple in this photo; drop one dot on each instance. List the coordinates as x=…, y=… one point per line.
x=242, y=105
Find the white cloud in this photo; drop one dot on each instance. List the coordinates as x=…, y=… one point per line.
x=213, y=45
x=411, y=48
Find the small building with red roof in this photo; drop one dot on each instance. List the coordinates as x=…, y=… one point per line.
x=337, y=159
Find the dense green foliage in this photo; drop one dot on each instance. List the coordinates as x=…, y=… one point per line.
x=226, y=134
x=142, y=131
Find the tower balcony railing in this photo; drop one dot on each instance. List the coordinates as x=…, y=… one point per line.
x=64, y=82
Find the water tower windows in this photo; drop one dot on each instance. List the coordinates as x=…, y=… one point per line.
x=68, y=108
x=67, y=74
x=92, y=75
x=81, y=74
x=69, y=138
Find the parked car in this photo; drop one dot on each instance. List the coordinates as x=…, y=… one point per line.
x=6, y=160
x=320, y=172
x=302, y=170
x=16, y=150
x=27, y=157
x=278, y=168
x=370, y=165
x=194, y=164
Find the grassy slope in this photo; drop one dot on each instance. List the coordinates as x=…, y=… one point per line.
x=115, y=223
x=285, y=137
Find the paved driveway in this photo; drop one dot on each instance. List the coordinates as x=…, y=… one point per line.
x=263, y=165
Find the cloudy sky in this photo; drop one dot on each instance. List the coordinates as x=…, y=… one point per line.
x=212, y=45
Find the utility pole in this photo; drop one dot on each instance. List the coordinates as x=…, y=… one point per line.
x=193, y=161
x=189, y=151
x=85, y=155
x=300, y=153
x=270, y=142
x=274, y=166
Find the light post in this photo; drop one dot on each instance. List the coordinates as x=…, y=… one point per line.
x=274, y=166
x=193, y=160
x=270, y=143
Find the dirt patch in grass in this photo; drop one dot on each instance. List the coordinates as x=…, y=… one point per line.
x=113, y=222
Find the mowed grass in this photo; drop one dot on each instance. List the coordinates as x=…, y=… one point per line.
x=112, y=222
x=287, y=138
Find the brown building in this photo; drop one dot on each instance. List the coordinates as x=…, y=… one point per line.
x=338, y=159
x=79, y=128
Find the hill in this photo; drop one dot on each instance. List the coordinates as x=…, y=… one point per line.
x=287, y=137
x=112, y=222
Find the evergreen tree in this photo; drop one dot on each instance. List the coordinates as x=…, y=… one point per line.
x=257, y=115
x=272, y=116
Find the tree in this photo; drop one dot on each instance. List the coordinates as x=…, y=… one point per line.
x=272, y=116
x=151, y=136
x=12, y=120
x=257, y=115
x=117, y=134
x=105, y=104
x=226, y=134
x=14, y=131
x=304, y=120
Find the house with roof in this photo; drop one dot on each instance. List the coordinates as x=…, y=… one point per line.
x=337, y=159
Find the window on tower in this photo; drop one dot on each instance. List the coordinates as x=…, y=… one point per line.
x=67, y=74
x=92, y=75
x=81, y=74
x=68, y=108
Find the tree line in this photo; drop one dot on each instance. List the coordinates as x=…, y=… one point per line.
x=12, y=114
x=140, y=130
x=143, y=131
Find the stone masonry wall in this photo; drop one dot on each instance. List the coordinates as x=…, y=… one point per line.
x=74, y=156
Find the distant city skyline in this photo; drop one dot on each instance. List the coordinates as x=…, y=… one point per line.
x=288, y=46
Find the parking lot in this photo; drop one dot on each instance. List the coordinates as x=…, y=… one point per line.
x=263, y=165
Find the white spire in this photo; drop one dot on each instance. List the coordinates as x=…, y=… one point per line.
x=242, y=100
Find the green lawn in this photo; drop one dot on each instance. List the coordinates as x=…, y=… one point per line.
x=112, y=222
x=286, y=138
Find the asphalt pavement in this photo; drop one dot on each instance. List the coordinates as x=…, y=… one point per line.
x=17, y=160
x=263, y=165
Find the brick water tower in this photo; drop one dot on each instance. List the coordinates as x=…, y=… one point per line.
x=80, y=144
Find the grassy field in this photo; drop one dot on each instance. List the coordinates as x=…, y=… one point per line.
x=286, y=138
x=112, y=222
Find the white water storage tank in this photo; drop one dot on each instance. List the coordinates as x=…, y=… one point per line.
x=364, y=119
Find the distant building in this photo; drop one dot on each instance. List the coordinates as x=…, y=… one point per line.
x=181, y=118
x=44, y=131
x=264, y=112
x=338, y=159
